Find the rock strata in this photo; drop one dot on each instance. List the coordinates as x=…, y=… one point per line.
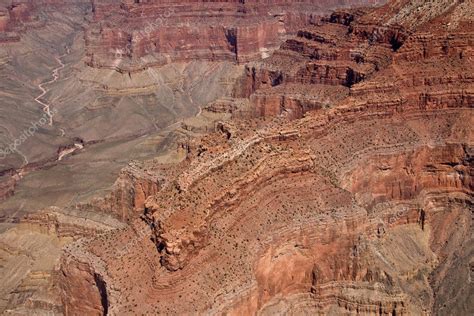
x=359, y=202
x=131, y=35
x=330, y=173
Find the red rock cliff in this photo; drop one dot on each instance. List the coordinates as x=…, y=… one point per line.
x=129, y=35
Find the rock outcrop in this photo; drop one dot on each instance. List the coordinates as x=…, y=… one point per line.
x=13, y=19
x=18, y=15
x=357, y=202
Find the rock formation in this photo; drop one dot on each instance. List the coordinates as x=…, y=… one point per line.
x=12, y=19
x=357, y=202
x=18, y=15
x=333, y=176
x=130, y=35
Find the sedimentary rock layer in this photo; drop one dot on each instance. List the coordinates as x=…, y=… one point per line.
x=130, y=35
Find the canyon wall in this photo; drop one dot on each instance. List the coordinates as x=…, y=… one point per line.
x=347, y=188
x=18, y=15
x=130, y=35
x=12, y=19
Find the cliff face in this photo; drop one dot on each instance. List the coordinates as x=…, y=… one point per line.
x=13, y=19
x=130, y=35
x=357, y=202
x=17, y=15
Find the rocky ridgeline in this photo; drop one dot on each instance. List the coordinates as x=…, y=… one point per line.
x=277, y=204
x=359, y=202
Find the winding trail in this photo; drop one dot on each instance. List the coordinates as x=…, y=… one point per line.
x=55, y=74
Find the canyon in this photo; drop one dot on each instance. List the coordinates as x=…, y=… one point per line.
x=240, y=157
